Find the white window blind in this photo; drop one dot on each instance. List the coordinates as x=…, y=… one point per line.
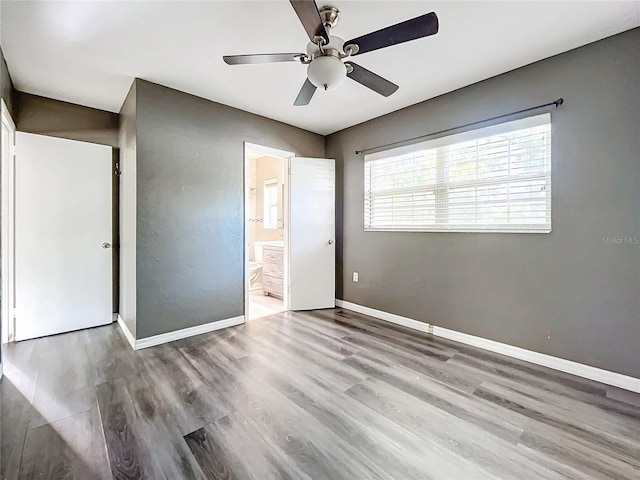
x=496, y=178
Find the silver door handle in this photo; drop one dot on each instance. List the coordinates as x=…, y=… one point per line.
x=106, y=245
x=330, y=242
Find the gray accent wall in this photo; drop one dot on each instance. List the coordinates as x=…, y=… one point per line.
x=190, y=205
x=46, y=116
x=573, y=293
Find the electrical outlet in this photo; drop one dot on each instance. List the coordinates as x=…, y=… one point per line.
x=355, y=277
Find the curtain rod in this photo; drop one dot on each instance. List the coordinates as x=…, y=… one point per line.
x=557, y=103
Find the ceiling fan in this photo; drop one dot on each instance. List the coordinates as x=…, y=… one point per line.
x=326, y=54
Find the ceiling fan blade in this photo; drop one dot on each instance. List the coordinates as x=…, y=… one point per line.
x=370, y=80
x=309, y=16
x=306, y=92
x=261, y=58
x=419, y=27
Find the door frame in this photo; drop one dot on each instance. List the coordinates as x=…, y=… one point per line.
x=286, y=156
x=7, y=236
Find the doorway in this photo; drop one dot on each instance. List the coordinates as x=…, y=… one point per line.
x=290, y=265
x=266, y=249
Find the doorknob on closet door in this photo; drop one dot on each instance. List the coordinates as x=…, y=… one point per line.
x=331, y=242
x=106, y=245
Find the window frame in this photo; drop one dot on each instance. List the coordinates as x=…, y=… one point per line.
x=441, y=183
x=270, y=222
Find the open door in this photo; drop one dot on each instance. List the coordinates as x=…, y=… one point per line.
x=63, y=234
x=312, y=230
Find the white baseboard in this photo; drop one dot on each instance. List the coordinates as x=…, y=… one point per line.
x=389, y=317
x=178, y=334
x=586, y=371
x=188, y=332
x=127, y=333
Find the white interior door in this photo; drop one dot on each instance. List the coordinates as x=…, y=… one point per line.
x=63, y=218
x=312, y=230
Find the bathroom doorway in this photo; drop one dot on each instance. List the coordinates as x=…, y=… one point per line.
x=266, y=230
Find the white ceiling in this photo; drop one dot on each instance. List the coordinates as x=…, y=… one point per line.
x=89, y=52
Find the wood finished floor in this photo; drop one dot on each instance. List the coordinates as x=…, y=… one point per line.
x=319, y=395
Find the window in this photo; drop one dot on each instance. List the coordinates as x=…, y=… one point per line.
x=270, y=203
x=494, y=179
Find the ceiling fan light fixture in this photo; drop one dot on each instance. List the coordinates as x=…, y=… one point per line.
x=326, y=71
x=326, y=52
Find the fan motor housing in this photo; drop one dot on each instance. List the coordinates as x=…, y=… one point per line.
x=334, y=48
x=329, y=16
